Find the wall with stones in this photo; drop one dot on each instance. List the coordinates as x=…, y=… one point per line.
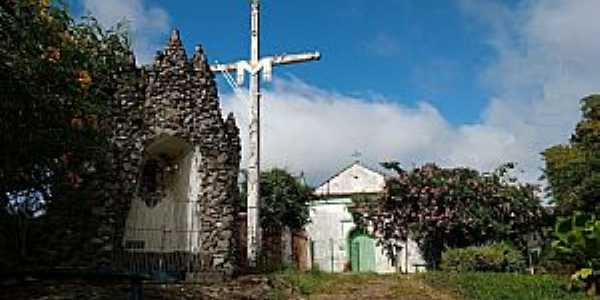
x=175, y=99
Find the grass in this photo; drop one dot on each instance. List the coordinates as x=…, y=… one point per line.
x=475, y=286
x=316, y=284
x=315, y=281
x=431, y=285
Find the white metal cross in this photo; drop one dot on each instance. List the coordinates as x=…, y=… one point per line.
x=255, y=66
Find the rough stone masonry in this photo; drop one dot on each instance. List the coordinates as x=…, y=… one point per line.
x=174, y=100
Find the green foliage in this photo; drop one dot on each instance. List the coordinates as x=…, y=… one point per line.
x=573, y=170
x=550, y=262
x=57, y=79
x=498, y=286
x=469, y=286
x=453, y=208
x=306, y=283
x=581, y=279
x=578, y=239
x=565, y=169
x=284, y=201
x=499, y=257
x=317, y=282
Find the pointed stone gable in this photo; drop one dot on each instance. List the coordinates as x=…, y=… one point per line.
x=173, y=104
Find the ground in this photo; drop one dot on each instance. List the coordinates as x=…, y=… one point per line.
x=365, y=286
x=431, y=286
x=274, y=286
x=245, y=287
x=290, y=284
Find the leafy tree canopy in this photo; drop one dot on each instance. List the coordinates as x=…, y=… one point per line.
x=57, y=81
x=57, y=78
x=441, y=208
x=573, y=169
x=284, y=200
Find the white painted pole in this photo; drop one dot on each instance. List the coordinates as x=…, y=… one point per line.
x=255, y=66
x=253, y=215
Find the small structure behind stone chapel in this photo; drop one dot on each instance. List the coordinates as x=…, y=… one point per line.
x=336, y=243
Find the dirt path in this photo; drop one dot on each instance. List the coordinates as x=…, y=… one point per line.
x=379, y=288
x=257, y=287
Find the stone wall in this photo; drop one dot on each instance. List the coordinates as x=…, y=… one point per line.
x=174, y=97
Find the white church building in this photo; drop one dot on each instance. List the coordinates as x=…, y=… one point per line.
x=336, y=244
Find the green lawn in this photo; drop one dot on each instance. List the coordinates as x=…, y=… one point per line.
x=349, y=286
x=429, y=286
x=318, y=282
x=498, y=286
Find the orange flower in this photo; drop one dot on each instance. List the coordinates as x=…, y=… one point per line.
x=77, y=122
x=84, y=78
x=43, y=6
x=52, y=54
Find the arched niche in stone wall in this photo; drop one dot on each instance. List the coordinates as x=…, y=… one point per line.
x=163, y=217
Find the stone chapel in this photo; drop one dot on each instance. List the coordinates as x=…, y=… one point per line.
x=173, y=195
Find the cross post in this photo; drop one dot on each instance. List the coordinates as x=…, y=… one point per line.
x=255, y=67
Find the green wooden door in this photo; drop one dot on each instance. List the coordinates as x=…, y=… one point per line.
x=362, y=253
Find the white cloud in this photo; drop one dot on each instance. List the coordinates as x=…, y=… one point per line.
x=547, y=59
x=148, y=25
x=308, y=129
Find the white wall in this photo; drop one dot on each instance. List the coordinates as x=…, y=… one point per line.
x=173, y=224
x=354, y=180
x=414, y=257
x=330, y=227
x=327, y=232
x=193, y=209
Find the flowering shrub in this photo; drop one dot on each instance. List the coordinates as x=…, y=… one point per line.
x=452, y=208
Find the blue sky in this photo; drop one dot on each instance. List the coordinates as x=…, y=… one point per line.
x=404, y=50
x=465, y=82
x=409, y=50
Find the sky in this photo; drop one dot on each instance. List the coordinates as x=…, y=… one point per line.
x=471, y=83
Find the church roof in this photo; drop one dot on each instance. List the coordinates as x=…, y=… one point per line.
x=354, y=179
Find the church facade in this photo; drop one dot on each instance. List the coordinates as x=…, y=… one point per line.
x=336, y=243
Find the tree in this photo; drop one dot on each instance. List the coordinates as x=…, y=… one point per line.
x=57, y=79
x=441, y=208
x=573, y=170
x=578, y=240
x=284, y=201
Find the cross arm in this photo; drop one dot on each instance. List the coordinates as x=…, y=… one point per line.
x=287, y=59
x=284, y=59
x=220, y=68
